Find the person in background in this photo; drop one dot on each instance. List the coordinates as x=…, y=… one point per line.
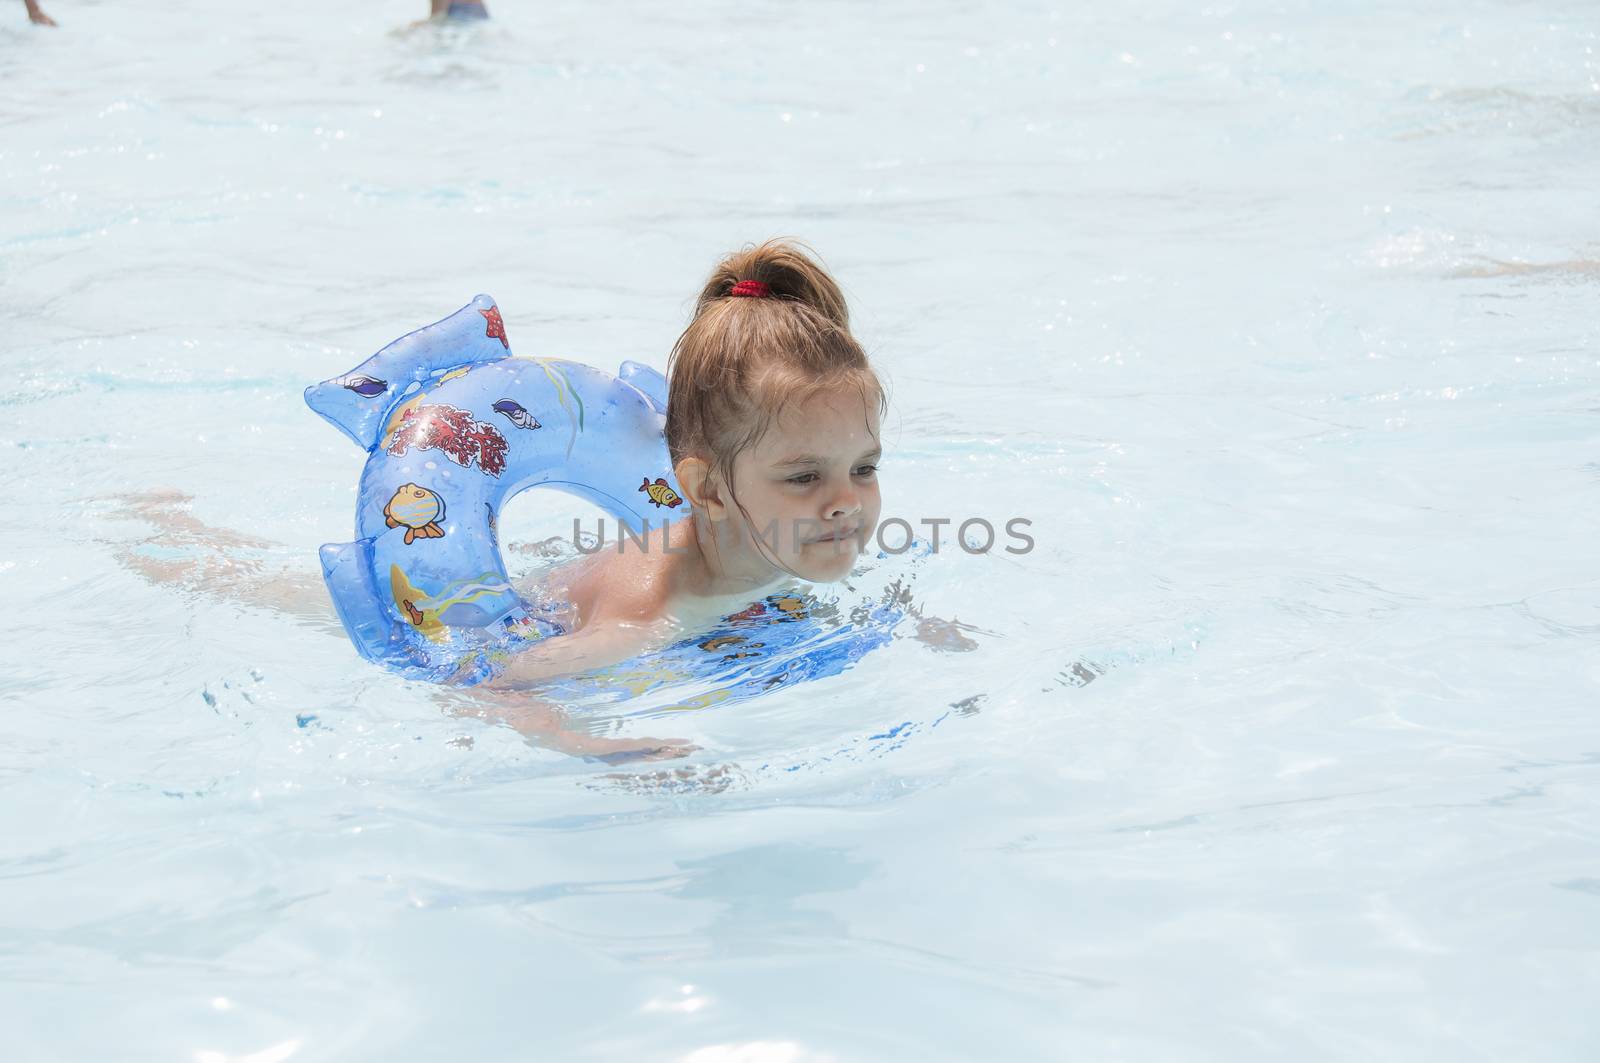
x=448, y=11
x=39, y=18
x=458, y=9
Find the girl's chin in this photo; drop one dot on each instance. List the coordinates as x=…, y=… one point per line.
x=821, y=564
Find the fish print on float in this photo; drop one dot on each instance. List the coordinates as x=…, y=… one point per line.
x=661, y=493
x=418, y=509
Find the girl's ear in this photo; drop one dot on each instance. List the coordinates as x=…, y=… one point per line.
x=701, y=488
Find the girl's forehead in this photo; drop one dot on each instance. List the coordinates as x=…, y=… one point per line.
x=832, y=422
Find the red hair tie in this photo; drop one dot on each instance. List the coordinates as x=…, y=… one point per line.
x=753, y=289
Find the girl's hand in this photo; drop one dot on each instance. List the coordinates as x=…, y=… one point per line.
x=945, y=634
x=628, y=750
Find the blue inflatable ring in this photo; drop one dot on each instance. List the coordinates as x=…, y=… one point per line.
x=455, y=425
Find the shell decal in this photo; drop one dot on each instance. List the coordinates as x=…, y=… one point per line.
x=517, y=414
x=365, y=386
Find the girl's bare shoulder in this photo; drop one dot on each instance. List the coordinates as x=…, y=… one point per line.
x=630, y=586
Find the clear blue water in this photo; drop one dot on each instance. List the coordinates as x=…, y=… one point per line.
x=1278, y=320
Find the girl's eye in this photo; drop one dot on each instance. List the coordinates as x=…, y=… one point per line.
x=866, y=470
x=803, y=478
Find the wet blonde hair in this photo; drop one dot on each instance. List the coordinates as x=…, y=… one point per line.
x=743, y=360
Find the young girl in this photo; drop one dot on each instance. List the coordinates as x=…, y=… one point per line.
x=772, y=429
x=773, y=420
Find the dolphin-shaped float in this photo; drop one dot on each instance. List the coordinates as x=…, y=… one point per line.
x=455, y=425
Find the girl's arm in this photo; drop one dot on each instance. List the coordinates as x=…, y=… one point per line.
x=35, y=15
x=620, y=610
x=550, y=727
x=596, y=645
x=507, y=697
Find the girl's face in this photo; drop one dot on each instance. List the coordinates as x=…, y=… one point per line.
x=809, y=487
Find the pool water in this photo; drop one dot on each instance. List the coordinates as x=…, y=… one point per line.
x=1277, y=321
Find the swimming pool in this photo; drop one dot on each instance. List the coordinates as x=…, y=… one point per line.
x=1277, y=322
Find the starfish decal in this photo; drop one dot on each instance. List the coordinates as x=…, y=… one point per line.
x=497, y=327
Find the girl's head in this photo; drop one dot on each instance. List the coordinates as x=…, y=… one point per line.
x=773, y=415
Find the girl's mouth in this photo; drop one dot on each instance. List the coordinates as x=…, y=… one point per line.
x=836, y=536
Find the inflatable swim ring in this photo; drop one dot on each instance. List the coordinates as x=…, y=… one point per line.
x=454, y=425
x=781, y=640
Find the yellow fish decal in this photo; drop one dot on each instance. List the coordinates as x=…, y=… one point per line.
x=661, y=493
x=418, y=510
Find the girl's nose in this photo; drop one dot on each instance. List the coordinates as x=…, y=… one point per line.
x=843, y=506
